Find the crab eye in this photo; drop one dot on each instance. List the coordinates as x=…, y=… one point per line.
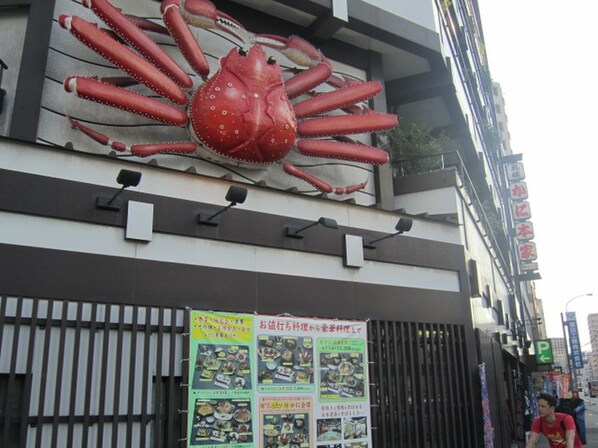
x=243, y=52
x=271, y=60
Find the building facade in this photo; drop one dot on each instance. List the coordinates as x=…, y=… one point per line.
x=94, y=311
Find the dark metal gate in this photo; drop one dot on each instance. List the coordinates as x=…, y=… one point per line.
x=90, y=374
x=421, y=388
x=95, y=374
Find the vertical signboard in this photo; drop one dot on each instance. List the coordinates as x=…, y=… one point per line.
x=574, y=344
x=520, y=214
x=271, y=381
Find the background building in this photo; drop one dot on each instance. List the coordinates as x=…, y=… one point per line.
x=593, y=329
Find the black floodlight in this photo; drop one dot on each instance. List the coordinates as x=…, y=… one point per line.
x=235, y=195
x=125, y=178
x=403, y=225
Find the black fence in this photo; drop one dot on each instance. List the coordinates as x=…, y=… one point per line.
x=90, y=374
x=421, y=390
x=95, y=374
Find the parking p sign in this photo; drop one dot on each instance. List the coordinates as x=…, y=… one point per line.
x=543, y=351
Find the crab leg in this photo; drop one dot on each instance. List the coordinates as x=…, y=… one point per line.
x=93, y=90
x=319, y=183
x=304, y=54
x=337, y=99
x=346, y=124
x=143, y=150
x=201, y=14
x=354, y=152
x=127, y=30
x=121, y=56
x=185, y=40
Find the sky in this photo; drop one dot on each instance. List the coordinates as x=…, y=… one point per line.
x=543, y=53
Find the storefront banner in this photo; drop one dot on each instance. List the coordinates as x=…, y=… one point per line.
x=561, y=383
x=488, y=429
x=533, y=403
x=277, y=381
x=564, y=390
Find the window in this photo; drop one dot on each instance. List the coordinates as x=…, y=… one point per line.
x=474, y=280
x=488, y=296
x=500, y=311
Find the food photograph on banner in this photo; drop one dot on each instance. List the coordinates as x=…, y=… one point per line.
x=274, y=382
x=285, y=360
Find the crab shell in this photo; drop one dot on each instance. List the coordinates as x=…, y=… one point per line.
x=242, y=113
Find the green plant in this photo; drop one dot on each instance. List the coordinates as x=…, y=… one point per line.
x=412, y=148
x=493, y=140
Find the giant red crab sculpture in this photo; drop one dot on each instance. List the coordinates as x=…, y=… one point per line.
x=241, y=115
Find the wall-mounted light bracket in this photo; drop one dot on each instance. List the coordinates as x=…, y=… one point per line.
x=235, y=195
x=125, y=178
x=403, y=225
x=297, y=232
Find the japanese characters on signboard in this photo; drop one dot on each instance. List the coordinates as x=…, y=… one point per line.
x=269, y=381
x=524, y=230
x=521, y=213
x=515, y=172
x=574, y=344
x=518, y=191
x=527, y=251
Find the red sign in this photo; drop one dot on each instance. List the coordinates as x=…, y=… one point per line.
x=527, y=251
x=524, y=230
x=521, y=211
x=518, y=191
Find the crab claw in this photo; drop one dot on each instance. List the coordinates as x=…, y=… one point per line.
x=203, y=14
x=301, y=53
x=294, y=48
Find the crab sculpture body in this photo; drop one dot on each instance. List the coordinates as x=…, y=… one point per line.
x=243, y=114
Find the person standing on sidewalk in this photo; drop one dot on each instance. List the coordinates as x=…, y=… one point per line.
x=579, y=407
x=558, y=428
x=527, y=414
